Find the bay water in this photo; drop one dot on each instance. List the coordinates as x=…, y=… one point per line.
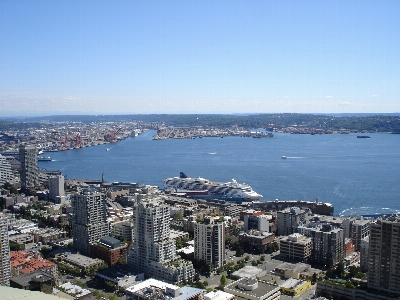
x=356, y=175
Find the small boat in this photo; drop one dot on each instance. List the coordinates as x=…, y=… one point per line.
x=284, y=157
x=108, y=149
x=44, y=158
x=363, y=137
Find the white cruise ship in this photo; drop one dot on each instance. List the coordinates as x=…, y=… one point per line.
x=206, y=189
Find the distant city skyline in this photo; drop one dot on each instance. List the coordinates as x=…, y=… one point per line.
x=180, y=57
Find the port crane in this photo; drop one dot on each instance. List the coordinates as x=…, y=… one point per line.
x=112, y=136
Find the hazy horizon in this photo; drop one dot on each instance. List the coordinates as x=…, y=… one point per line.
x=188, y=57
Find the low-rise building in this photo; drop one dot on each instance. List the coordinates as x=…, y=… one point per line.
x=255, y=241
x=49, y=235
x=248, y=272
x=35, y=281
x=155, y=289
x=23, y=262
x=81, y=261
x=120, y=275
x=294, y=287
x=248, y=288
x=109, y=249
x=298, y=271
x=218, y=295
x=75, y=290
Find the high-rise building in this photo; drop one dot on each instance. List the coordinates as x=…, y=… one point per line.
x=260, y=223
x=209, y=241
x=56, y=187
x=89, y=220
x=289, y=219
x=359, y=230
x=364, y=252
x=154, y=252
x=29, y=166
x=327, y=243
x=6, y=174
x=5, y=267
x=296, y=246
x=384, y=255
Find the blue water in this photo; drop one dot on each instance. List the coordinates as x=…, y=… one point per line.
x=337, y=168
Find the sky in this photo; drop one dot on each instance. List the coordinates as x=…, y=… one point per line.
x=141, y=57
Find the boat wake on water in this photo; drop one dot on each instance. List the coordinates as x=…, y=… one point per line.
x=374, y=212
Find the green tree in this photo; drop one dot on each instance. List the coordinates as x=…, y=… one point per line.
x=178, y=243
x=348, y=284
x=223, y=280
x=16, y=246
x=314, y=278
x=239, y=250
x=262, y=257
x=11, y=188
x=177, y=216
x=340, y=268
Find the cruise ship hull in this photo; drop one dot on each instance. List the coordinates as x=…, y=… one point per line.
x=200, y=188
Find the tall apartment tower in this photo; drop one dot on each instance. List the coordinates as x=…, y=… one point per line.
x=327, y=243
x=29, y=166
x=384, y=255
x=209, y=241
x=89, y=220
x=6, y=174
x=56, y=186
x=154, y=252
x=359, y=230
x=289, y=219
x=5, y=267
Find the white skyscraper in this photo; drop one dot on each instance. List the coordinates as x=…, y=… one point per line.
x=154, y=252
x=5, y=268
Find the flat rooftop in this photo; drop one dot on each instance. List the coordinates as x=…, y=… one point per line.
x=262, y=289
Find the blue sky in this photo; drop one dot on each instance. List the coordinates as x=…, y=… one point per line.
x=112, y=57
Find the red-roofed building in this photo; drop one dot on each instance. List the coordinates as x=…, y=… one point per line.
x=23, y=262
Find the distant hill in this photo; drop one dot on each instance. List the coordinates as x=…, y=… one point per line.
x=353, y=122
